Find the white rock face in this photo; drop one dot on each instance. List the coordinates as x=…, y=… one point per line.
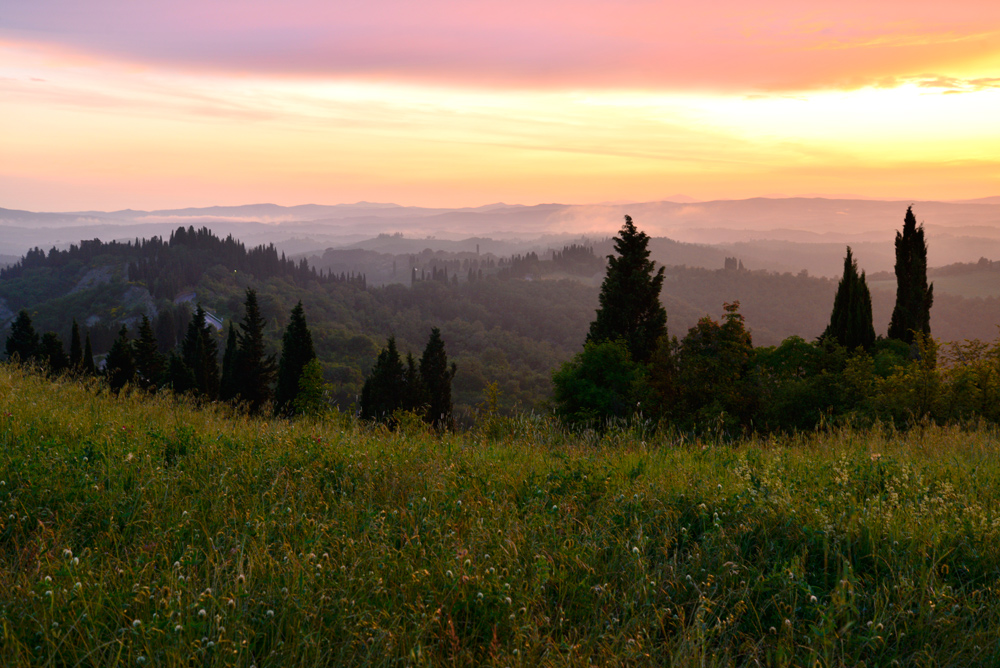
x=94, y=277
x=6, y=314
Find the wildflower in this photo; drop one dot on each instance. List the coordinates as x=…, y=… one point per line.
x=270, y=613
x=202, y=613
x=813, y=599
x=178, y=628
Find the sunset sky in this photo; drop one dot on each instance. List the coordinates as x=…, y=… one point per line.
x=110, y=104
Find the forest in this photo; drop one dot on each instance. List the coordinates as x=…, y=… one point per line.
x=509, y=323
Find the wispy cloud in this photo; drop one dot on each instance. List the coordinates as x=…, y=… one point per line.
x=726, y=45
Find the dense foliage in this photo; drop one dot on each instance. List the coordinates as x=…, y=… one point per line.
x=715, y=381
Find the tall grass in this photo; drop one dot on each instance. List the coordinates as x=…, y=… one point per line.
x=143, y=531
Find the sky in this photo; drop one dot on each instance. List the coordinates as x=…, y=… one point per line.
x=113, y=104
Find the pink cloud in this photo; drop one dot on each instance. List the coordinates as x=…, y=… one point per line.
x=725, y=44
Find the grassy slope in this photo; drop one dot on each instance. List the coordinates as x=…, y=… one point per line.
x=148, y=533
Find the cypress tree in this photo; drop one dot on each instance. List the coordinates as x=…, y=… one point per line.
x=851, y=321
x=75, y=349
x=22, y=343
x=630, y=307
x=254, y=369
x=227, y=384
x=150, y=364
x=119, y=365
x=296, y=352
x=88, y=358
x=436, y=376
x=914, y=297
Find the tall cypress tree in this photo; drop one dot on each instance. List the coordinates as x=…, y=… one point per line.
x=436, y=376
x=119, y=365
x=851, y=321
x=914, y=297
x=22, y=343
x=254, y=369
x=75, y=348
x=150, y=364
x=296, y=352
x=630, y=307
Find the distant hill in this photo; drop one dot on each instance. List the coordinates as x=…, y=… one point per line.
x=509, y=319
x=778, y=234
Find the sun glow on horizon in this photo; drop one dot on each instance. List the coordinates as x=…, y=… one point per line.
x=92, y=133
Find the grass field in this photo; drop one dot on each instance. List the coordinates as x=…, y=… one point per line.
x=147, y=533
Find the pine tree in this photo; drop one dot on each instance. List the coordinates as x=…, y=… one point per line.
x=150, y=364
x=254, y=369
x=851, y=321
x=88, y=358
x=384, y=390
x=51, y=353
x=22, y=343
x=296, y=352
x=119, y=364
x=436, y=377
x=914, y=297
x=75, y=349
x=227, y=384
x=200, y=354
x=630, y=307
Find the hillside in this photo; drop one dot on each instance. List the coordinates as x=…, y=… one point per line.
x=509, y=320
x=783, y=234
x=141, y=531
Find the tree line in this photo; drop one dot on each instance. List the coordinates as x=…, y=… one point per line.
x=714, y=379
x=248, y=376
x=166, y=266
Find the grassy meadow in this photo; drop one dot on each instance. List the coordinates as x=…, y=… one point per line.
x=145, y=532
